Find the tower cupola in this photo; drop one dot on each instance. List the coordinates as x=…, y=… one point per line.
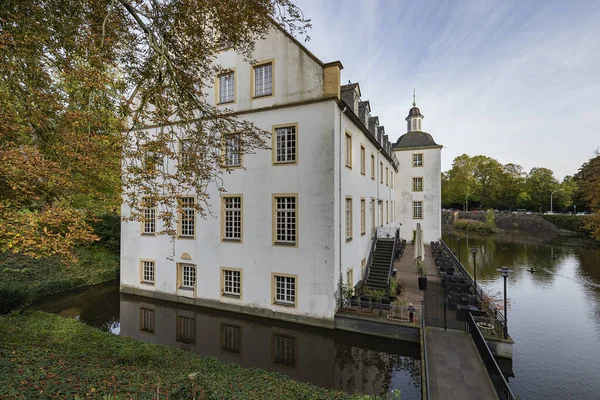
x=415, y=118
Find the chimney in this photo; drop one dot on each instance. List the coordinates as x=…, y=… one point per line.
x=331, y=79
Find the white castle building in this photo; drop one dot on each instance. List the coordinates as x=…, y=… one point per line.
x=299, y=219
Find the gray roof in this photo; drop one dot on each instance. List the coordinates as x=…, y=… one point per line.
x=415, y=139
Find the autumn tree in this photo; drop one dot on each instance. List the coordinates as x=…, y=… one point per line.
x=588, y=191
x=80, y=83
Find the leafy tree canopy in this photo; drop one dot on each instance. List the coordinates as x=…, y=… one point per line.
x=80, y=80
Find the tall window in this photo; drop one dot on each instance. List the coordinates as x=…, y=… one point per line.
x=381, y=172
x=372, y=166
x=387, y=176
x=147, y=320
x=372, y=215
x=187, y=217
x=350, y=277
x=417, y=184
x=263, y=80
x=188, y=276
x=392, y=179
x=186, y=329
x=232, y=218
x=226, y=87
x=362, y=160
x=232, y=282
x=148, y=271
x=285, y=290
x=348, y=218
x=387, y=212
x=418, y=160
x=363, y=216
x=348, y=150
x=381, y=212
x=285, y=220
x=231, y=339
x=417, y=209
x=284, y=350
x=232, y=151
x=185, y=153
x=152, y=161
x=285, y=145
x=149, y=210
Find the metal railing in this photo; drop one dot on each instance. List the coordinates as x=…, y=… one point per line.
x=490, y=327
x=424, y=364
x=496, y=376
x=380, y=311
x=392, y=260
x=478, y=291
x=370, y=257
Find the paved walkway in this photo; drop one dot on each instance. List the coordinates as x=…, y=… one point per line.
x=407, y=273
x=455, y=369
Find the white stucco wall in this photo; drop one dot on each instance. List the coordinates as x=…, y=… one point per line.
x=358, y=186
x=312, y=260
x=431, y=194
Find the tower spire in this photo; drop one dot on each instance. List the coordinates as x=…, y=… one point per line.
x=414, y=98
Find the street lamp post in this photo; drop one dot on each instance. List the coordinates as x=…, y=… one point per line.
x=474, y=250
x=505, y=272
x=551, y=194
x=458, y=245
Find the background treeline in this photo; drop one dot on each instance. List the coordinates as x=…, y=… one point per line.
x=481, y=182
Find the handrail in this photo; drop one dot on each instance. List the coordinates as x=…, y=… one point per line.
x=496, y=376
x=392, y=260
x=370, y=258
x=424, y=364
x=479, y=292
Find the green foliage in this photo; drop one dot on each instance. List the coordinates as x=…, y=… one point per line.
x=588, y=193
x=472, y=225
x=47, y=356
x=13, y=298
x=393, y=287
x=30, y=279
x=419, y=267
x=108, y=228
x=569, y=222
x=540, y=184
x=490, y=218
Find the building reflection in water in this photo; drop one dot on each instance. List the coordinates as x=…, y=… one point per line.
x=327, y=358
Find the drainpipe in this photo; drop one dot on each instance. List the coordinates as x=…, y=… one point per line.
x=340, y=199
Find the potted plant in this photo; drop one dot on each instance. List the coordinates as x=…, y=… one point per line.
x=421, y=272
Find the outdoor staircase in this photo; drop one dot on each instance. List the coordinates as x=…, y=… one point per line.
x=380, y=265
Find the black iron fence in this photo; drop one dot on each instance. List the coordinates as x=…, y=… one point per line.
x=483, y=298
x=424, y=364
x=498, y=380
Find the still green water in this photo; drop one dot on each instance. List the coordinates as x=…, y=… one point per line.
x=553, y=313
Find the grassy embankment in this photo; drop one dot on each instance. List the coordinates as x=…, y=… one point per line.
x=46, y=356
x=572, y=223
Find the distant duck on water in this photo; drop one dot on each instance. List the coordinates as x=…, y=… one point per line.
x=532, y=270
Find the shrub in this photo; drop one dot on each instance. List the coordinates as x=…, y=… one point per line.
x=569, y=222
x=13, y=298
x=108, y=229
x=473, y=226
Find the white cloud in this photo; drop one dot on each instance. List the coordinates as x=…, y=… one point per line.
x=518, y=81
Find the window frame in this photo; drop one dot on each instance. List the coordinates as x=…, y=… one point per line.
x=381, y=172
x=274, y=240
x=224, y=211
x=363, y=161
x=182, y=159
x=387, y=212
x=415, y=209
x=240, y=153
x=145, y=202
x=231, y=295
x=348, y=150
x=274, y=129
x=373, y=166
x=363, y=216
x=283, y=303
x=348, y=223
x=253, y=67
x=416, y=165
x=180, y=277
x=142, y=272
x=414, y=181
x=180, y=218
x=387, y=176
x=181, y=329
x=229, y=71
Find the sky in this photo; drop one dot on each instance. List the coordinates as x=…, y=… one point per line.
x=518, y=81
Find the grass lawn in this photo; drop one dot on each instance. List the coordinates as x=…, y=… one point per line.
x=50, y=275
x=47, y=356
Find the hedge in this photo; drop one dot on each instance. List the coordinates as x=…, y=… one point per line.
x=569, y=222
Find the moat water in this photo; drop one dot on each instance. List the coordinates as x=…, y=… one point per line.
x=323, y=357
x=553, y=313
